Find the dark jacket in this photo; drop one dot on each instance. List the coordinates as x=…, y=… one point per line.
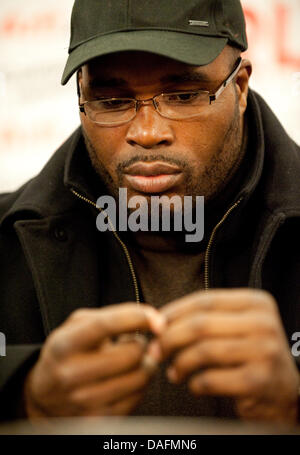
x=53, y=260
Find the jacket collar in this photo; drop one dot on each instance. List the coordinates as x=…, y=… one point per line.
x=279, y=183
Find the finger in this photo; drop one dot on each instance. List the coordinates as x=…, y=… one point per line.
x=216, y=352
x=110, y=391
x=201, y=326
x=87, y=328
x=234, y=382
x=120, y=408
x=114, y=359
x=218, y=300
x=124, y=407
x=149, y=363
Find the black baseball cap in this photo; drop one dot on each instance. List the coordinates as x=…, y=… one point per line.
x=190, y=31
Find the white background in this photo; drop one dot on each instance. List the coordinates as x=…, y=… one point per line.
x=37, y=114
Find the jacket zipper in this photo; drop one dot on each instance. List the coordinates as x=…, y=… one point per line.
x=210, y=243
x=128, y=257
x=124, y=247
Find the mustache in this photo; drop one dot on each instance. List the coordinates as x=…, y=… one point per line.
x=148, y=158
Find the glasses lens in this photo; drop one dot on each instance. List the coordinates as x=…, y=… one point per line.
x=182, y=104
x=110, y=111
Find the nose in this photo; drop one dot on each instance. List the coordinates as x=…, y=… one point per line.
x=148, y=129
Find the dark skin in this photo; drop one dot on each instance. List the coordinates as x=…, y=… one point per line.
x=221, y=342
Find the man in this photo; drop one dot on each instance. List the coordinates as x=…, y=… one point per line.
x=122, y=319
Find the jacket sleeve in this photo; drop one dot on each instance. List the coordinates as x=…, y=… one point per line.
x=13, y=370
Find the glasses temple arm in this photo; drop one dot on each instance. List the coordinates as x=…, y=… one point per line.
x=225, y=83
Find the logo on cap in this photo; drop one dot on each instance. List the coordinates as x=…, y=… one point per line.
x=199, y=23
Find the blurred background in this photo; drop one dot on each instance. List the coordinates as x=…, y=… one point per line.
x=37, y=114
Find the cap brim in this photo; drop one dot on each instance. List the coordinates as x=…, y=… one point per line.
x=191, y=49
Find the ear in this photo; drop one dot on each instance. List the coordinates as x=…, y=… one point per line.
x=242, y=84
x=78, y=78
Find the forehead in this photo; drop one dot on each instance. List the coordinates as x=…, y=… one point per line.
x=142, y=68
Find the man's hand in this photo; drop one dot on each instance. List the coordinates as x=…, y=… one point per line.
x=83, y=372
x=232, y=343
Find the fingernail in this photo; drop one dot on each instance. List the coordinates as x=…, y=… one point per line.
x=154, y=350
x=172, y=375
x=149, y=364
x=157, y=320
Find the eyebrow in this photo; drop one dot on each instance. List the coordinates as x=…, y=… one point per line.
x=101, y=82
x=187, y=76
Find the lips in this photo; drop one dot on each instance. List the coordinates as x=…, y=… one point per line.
x=152, y=177
x=151, y=169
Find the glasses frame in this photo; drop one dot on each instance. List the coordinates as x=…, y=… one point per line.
x=212, y=97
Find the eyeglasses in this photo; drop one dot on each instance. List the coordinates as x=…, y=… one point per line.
x=175, y=106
